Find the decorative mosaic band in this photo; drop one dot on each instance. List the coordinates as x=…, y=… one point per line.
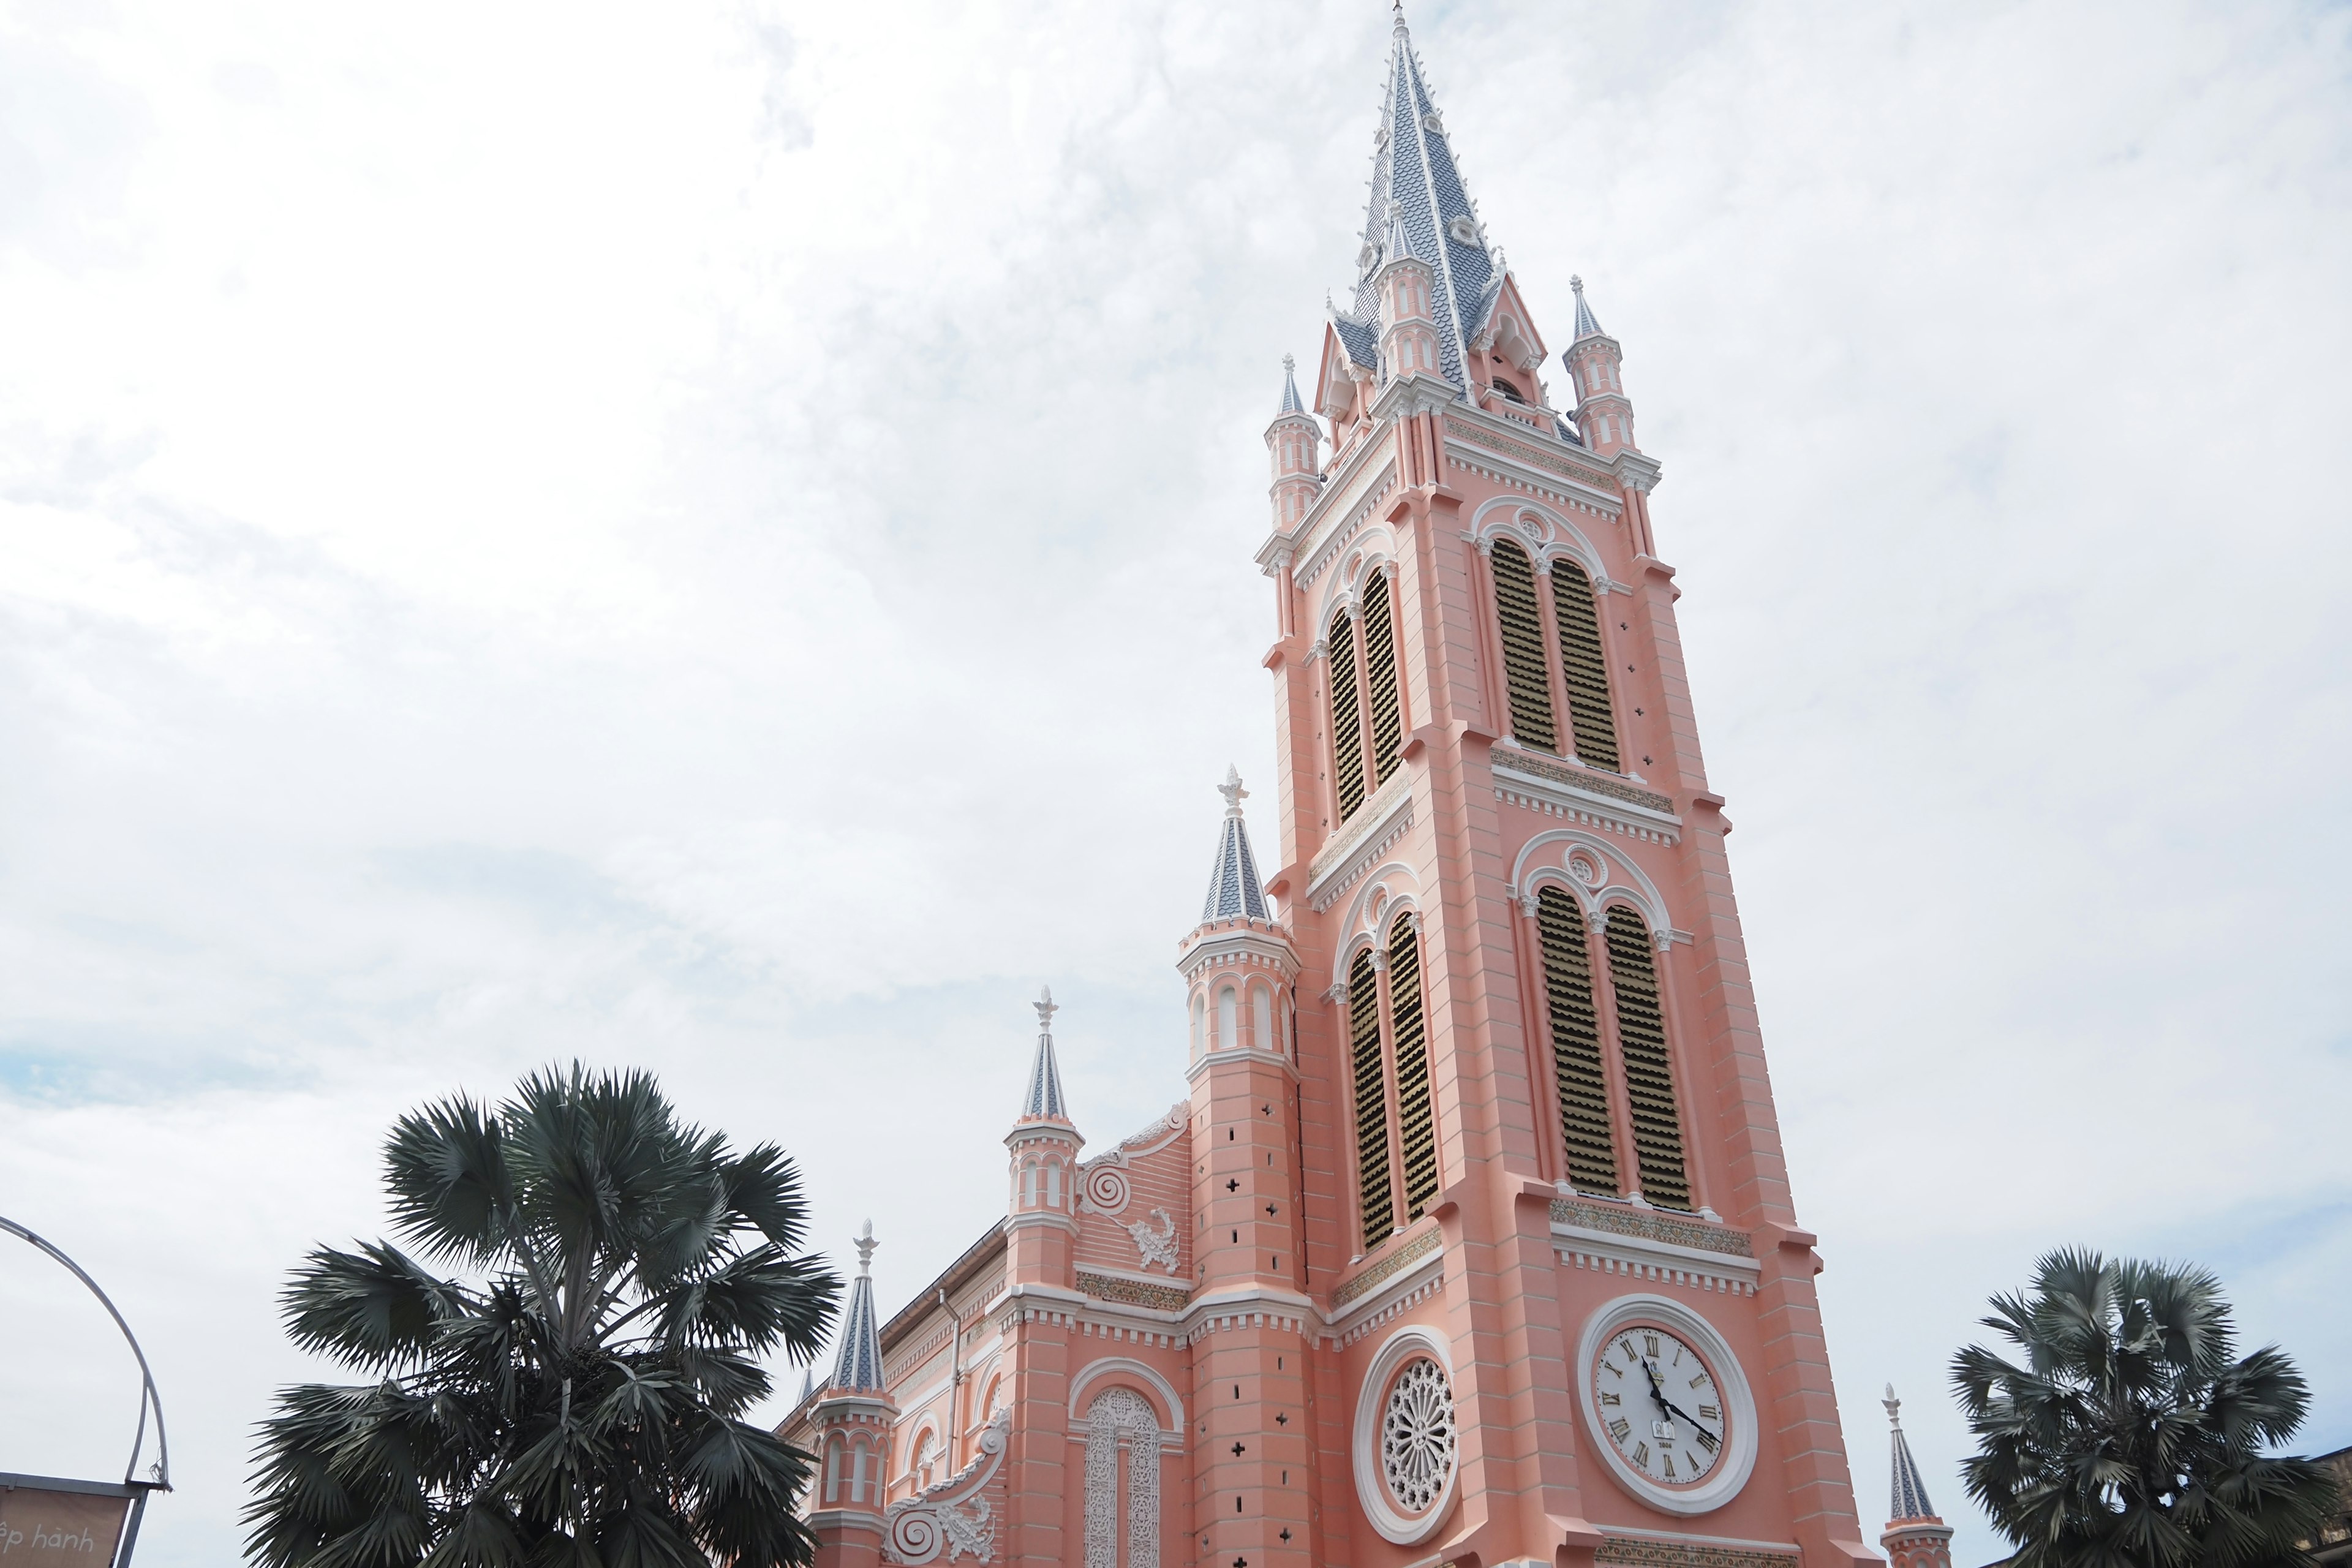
x=1618, y=1549
x=1577, y=778
x=1526, y=454
x=1651, y=1224
x=1371, y=1279
x=1134, y=1292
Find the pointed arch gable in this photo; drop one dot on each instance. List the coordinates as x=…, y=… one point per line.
x=1555, y=536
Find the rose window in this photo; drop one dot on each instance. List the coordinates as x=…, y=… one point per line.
x=1417, y=1436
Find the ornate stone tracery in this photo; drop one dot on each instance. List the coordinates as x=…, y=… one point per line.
x=1417, y=1436
x=1120, y=1418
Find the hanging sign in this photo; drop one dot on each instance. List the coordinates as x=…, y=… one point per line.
x=46, y=1522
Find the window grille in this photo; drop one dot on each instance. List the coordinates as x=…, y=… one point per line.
x=1649, y=1073
x=1583, y=667
x=1416, y=1125
x=1346, y=719
x=1371, y=1102
x=1380, y=674
x=1523, y=659
x=1591, y=1147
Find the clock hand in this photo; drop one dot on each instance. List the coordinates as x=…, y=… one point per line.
x=1658, y=1397
x=1673, y=1409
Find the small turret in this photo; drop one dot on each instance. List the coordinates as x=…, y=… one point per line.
x=1043, y=1166
x=1296, y=444
x=852, y=1417
x=1604, y=416
x=1408, y=315
x=1914, y=1537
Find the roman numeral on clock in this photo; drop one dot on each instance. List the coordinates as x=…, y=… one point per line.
x=1710, y=1413
x=1621, y=1428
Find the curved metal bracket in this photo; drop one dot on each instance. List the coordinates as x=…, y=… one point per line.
x=147, y=1394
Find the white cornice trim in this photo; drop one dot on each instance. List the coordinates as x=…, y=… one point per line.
x=1588, y=806
x=1366, y=836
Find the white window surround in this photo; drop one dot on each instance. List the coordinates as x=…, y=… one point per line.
x=1409, y=1341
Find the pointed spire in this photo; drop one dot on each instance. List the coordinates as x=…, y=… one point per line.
x=808, y=1384
x=1906, y=1493
x=1233, y=888
x=1043, y=1102
x=1290, y=404
x=1586, y=327
x=858, y=1362
x=1417, y=191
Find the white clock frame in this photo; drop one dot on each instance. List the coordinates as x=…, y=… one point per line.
x=1738, y=1459
x=1371, y=1400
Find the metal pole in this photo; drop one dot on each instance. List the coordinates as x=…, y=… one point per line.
x=147, y=1394
x=131, y=1529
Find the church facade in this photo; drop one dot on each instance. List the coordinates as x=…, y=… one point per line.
x=1471, y=1241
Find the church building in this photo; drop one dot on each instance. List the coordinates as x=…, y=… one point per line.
x=1470, y=1241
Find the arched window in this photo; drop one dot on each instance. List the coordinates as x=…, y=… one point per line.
x=1583, y=667
x=922, y=1467
x=1120, y=1418
x=858, y=1455
x=1381, y=675
x=1523, y=656
x=1229, y=1019
x=1052, y=1184
x=1649, y=1072
x=1591, y=1147
x=1416, y=1123
x=833, y=1452
x=1346, y=719
x=1261, y=1020
x=1200, y=1028
x=1028, y=1184
x=1373, y=1199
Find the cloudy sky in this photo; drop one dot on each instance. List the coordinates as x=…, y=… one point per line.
x=720, y=539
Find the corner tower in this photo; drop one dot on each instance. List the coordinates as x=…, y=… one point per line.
x=1569, y=1308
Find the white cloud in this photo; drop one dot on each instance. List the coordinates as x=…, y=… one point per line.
x=721, y=540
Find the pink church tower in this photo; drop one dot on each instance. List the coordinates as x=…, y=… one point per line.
x=1471, y=1242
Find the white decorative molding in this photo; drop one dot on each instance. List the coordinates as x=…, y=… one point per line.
x=1738, y=1459
x=1156, y=1245
x=1543, y=862
x=1378, y=824
x=1095, y=1370
x=1409, y=1344
x=952, y=1517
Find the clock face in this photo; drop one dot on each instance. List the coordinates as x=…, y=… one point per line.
x=1658, y=1401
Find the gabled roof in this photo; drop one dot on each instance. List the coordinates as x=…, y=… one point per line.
x=1234, y=889
x=1417, y=189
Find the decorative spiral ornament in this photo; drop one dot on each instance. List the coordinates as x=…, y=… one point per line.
x=1106, y=1189
x=915, y=1536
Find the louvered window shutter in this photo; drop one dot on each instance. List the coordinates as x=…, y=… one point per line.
x=1649, y=1072
x=1372, y=1101
x=1584, y=666
x=1523, y=656
x=1346, y=719
x=1416, y=1124
x=1380, y=674
x=1591, y=1147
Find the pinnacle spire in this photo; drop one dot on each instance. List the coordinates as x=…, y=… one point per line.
x=1418, y=205
x=1043, y=1102
x=858, y=1364
x=1586, y=326
x=1290, y=403
x=1906, y=1493
x=1233, y=888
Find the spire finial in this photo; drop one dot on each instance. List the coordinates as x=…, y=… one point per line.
x=1397, y=7
x=1043, y=1101
x=1289, y=364
x=1231, y=790
x=1046, y=1007
x=866, y=1245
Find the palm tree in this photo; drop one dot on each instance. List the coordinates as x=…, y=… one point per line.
x=578, y=1402
x=2132, y=1436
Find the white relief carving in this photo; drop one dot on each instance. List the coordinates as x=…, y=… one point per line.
x=1120, y=1418
x=1106, y=1189
x=953, y=1518
x=1156, y=1246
